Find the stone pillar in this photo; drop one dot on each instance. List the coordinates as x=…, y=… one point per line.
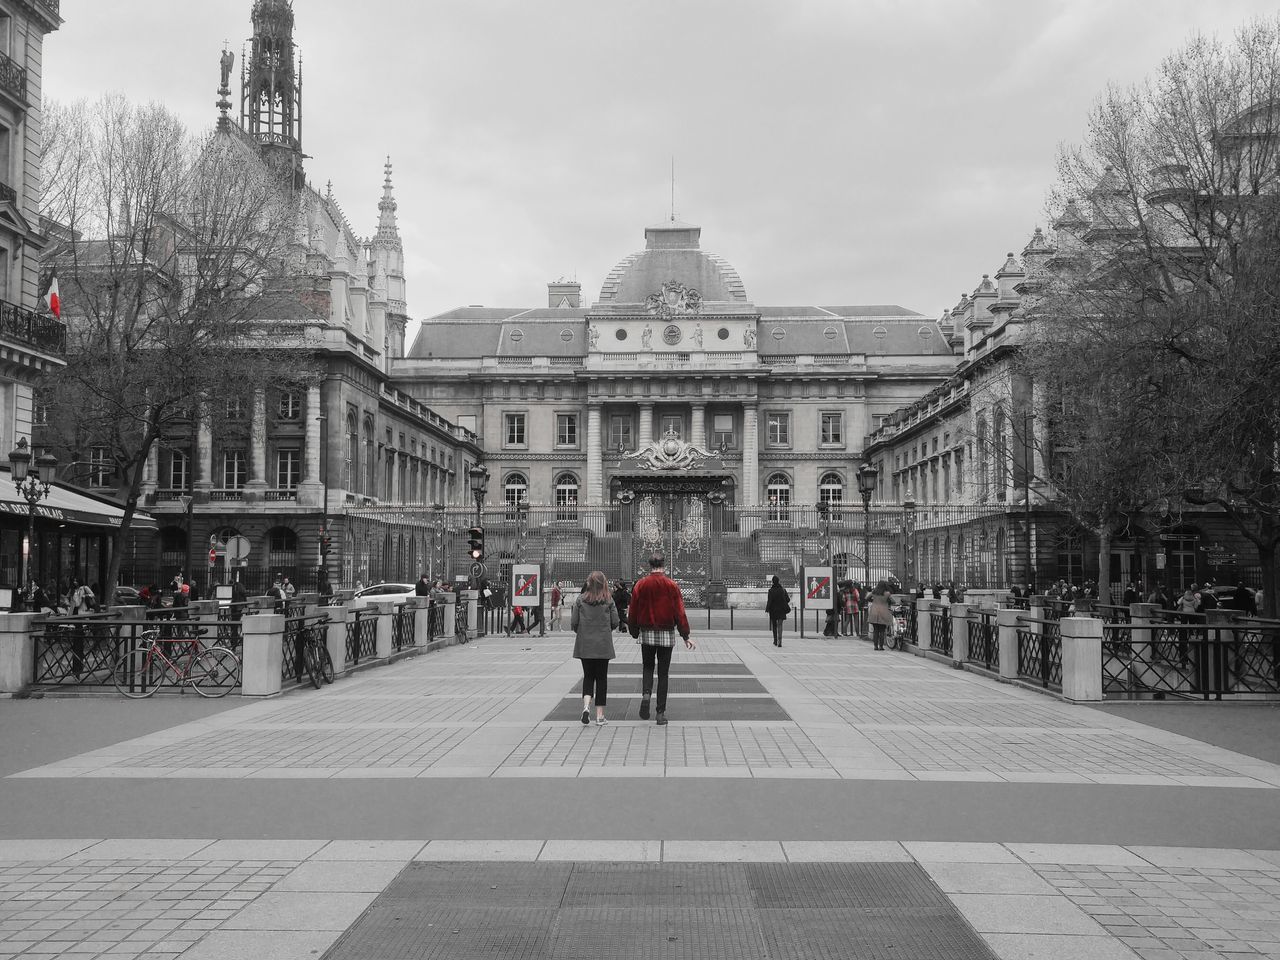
x=595, y=457
x=960, y=632
x=750, y=456
x=204, y=451
x=1007, y=629
x=472, y=599
x=646, y=426
x=421, y=607
x=386, y=613
x=263, y=656
x=336, y=636
x=311, y=489
x=257, y=444
x=450, y=616
x=698, y=425
x=17, y=651
x=924, y=623
x=1081, y=658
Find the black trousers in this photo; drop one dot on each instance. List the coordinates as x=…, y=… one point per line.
x=651, y=656
x=777, y=625
x=595, y=681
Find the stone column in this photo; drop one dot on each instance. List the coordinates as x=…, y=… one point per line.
x=698, y=425
x=750, y=456
x=1007, y=630
x=258, y=444
x=645, y=436
x=595, y=457
x=924, y=623
x=17, y=651
x=311, y=489
x=960, y=632
x=204, y=451
x=1081, y=658
x=383, y=646
x=335, y=637
x=263, y=654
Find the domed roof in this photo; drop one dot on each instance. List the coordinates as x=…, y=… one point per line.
x=671, y=253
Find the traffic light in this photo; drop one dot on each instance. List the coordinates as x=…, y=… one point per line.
x=475, y=542
x=326, y=544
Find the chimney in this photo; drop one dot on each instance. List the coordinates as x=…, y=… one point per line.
x=564, y=293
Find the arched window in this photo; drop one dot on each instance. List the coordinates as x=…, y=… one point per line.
x=778, y=491
x=370, y=487
x=831, y=492
x=516, y=489
x=566, y=497
x=352, y=473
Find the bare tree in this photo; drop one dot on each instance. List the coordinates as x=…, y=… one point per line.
x=1171, y=292
x=172, y=261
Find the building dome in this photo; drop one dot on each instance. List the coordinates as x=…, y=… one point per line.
x=671, y=253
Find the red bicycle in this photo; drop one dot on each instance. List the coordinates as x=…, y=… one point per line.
x=140, y=672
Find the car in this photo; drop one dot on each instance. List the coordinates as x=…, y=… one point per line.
x=382, y=591
x=128, y=597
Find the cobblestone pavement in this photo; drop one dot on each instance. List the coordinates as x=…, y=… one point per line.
x=480, y=711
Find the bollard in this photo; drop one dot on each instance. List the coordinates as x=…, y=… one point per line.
x=1007, y=630
x=959, y=633
x=335, y=637
x=924, y=623
x=1081, y=658
x=386, y=613
x=17, y=651
x=263, y=654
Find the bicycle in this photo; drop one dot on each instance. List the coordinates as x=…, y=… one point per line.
x=896, y=638
x=141, y=671
x=315, y=655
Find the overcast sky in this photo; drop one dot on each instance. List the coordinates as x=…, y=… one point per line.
x=834, y=151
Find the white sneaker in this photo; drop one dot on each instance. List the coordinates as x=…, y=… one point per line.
x=601, y=721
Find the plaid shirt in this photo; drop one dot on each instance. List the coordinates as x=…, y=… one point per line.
x=657, y=638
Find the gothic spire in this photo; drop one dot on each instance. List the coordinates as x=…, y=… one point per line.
x=387, y=230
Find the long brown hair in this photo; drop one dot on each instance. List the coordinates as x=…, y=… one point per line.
x=597, y=588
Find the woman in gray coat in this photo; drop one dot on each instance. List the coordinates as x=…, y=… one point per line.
x=593, y=621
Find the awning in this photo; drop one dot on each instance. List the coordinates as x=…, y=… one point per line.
x=69, y=506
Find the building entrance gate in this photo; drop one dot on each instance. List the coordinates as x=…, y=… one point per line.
x=678, y=517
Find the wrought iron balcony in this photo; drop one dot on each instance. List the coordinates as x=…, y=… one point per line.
x=8, y=193
x=27, y=326
x=13, y=78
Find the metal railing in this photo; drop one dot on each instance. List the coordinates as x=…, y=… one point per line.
x=296, y=628
x=362, y=636
x=984, y=640
x=1111, y=612
x=1040, y=652
x=1192, y=660
x=13, y=77
x=402, y=626
x=436, y=623
x=940, y=628
x=26, y=326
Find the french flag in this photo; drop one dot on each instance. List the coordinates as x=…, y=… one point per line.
x=52, y=300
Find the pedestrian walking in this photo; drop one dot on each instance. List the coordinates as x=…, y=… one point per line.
x=848, y=607
x=778, y=606
x=880, y=613
x=621, y=600
x=557, y=600
x=593, y=620
x=656, y=614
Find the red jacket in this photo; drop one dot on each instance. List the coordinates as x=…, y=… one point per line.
x=656, y=603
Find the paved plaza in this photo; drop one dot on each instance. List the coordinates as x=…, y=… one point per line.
x=802, y=802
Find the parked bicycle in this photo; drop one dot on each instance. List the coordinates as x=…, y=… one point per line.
x=897, y=635
x=143, y=669
x=315, y=654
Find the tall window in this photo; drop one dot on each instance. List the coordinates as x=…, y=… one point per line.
x=672, y=423
x=282, y=547
x=516, y=489
x=288, y=469
x=778, y=491
x=233, y=408
x=39, y=412
x=289, y=407
x=514, y=434
x=778, y=429
x=619, y=432
x=566, y=497
x=353, y=454
x=566, y=430
x=831, y=492
x=370, y=487
x=179, y=470
x=722, y=430
x=99, y=467
x=984, y=457
x=235, y=469
x=832, y=430
x=1000, y=450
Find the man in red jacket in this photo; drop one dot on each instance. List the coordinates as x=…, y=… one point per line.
x=655, y=616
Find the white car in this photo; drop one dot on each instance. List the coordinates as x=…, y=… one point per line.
x=382, y=591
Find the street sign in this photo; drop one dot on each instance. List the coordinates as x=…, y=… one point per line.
x=478, y=570
x=818, y=588
x=526, y=585
x=237, y=549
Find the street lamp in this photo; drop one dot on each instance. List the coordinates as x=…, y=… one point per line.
x=188, y=504
x=33, y=487
x=867, y=475
x=479, y=476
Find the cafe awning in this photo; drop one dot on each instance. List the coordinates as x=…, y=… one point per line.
x=64, y=505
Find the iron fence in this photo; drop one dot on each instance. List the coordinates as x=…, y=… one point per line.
x=402, y=626
x=1040, y=651
x=291, y=663
x=984, y=640
x=1111, y=612
x=436, y=622
x=940, y=628
x=1192, y=660
x=362, y=636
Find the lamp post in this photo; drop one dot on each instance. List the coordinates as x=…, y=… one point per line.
x=479, y=477
x=437, y=553
x=33, y=487
x=188, y=504
x=867, y=475
x=908, y=547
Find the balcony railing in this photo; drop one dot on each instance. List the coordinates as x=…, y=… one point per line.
x=13, y=78
x=29, y=327
x=283, y=494
x=7, y=193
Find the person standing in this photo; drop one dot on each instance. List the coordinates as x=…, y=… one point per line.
x=656, y=615
x=621, y=600
x=289, y=589
x=778, y=606
x=593, y=620
x=423, y=587
x=556, y=599
x=880, y=613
